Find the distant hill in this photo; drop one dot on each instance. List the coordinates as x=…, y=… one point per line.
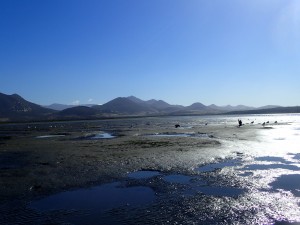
x=293, y=109
x=123, y=106
x=60, y=107
x=269, y=107
x=15, y=108
x=230, y=108
x=157, y=105
x=196, y=106
x=77, y=112
x=135, y=99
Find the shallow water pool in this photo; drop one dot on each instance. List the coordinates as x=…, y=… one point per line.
x=90, y=203
x=143, y=174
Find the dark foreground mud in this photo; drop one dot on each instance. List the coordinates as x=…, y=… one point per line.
x=143, y=171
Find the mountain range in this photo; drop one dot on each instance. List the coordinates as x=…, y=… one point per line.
x=15, y=108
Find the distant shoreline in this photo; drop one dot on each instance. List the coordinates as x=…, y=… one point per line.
x=248, y=112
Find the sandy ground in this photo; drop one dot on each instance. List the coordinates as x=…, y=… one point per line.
x=31, y=167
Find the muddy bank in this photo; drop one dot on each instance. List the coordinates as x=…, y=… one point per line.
x=147, y=171
x=38, y=159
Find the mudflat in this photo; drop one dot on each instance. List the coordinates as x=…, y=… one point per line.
x=44, y=158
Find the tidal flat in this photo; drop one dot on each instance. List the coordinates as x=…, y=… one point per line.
x=144, y=170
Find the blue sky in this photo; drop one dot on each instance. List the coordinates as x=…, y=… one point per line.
x=181, y=51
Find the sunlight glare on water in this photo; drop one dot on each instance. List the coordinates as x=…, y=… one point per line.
x=285, y=138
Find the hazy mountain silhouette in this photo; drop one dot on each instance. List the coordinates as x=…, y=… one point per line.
x=123, y=106
x=78, y=111
x=135, y=99
x=59, y=107
x=292, y=109
x=196, y=106
x=159, y=105
x=15, y=108
x=231, y=108
x=269, y=107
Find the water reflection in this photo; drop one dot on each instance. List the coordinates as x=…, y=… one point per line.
x=270, y=166
x=220, y=165
x=143, y=174
x=50, y=136
x=288, y=182
x=273, y=159
x=95, y=201
x=102, y=136
x=180, y=179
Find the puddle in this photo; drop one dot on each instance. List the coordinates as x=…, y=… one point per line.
x=180, y=179
x=96, y=136
x=221, y=165
x=95, y=201
x=270, y=166
x=297, y=156
x=102, y=136
x=50, y=136
x=144, y=174
x=273, y=159
x=289, y=183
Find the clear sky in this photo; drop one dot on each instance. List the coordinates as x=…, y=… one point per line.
x=181, y=51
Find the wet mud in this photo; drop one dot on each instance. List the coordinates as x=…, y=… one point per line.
x=145, y=171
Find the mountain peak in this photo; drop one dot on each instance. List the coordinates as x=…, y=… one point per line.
x=14, y=107
x=123, y=105
x=196, y=106
x=135, y=99
x=16, y=96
